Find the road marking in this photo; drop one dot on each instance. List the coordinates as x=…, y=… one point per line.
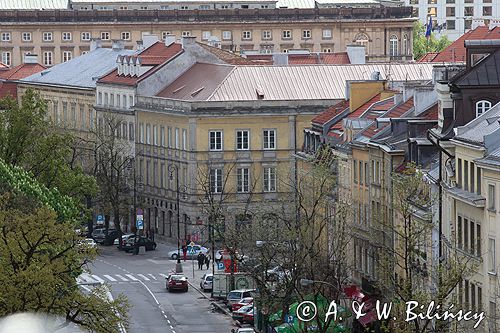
x=110, y=278
x=86, y=277
x=121, y=277
x=86, y=288
x=98, y=278
x=149, y=290
x=143, y=276
x=133, y=278
x=152, y=276
x=164, y=275
x=168, y=321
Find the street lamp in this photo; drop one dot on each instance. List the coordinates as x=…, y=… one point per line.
x=171, y=169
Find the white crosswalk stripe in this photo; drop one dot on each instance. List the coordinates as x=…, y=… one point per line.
x=98, y=278
x=163, y=275
x=152, y=276
x=121, y=277
x=112, y=279
x=130, y=276
x=143, y=276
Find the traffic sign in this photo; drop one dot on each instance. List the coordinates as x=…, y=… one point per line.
x=100, y=219
x=140, y=220
x=220, y=266
x=192, y=250
x=191, y=244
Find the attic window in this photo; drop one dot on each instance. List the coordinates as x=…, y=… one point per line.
x=178, y=89
x=197, y=91
x=260, y=93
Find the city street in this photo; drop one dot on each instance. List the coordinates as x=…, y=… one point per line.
x=142, y=279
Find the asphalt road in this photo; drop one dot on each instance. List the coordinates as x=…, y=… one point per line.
x=142, y=279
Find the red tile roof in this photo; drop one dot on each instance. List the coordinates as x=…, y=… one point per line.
x=21, y=71
x=335, y=127
x=155, y=55
x=455, y=52
x=339, y=58
x=431, y=113
x=428, y=57
x=330, y=113
x=3, y=66
x=395, y=112
x=360, y=110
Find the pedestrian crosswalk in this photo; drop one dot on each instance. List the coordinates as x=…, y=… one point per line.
x=86, y=278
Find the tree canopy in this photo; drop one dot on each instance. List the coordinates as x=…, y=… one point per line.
x=423, y=45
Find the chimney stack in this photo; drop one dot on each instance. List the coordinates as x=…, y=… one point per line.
x=188, y=41
x=95, y=43
x=494, y=23
x=118, y=45
x=477, y=23
x=149, y=40
x=31, y=59
x=140, y=45
x=169, y=40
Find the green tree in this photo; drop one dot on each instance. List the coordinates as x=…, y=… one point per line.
x=423, y=45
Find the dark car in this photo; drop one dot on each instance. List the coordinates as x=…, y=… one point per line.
x=176, y=282
x=131, y=242
x=101, y=237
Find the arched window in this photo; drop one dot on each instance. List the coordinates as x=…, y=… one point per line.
x=393, y=46
x=482, y=107
x=362, y=39
x=405, y=45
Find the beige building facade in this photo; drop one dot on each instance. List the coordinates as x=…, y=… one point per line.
x=58, y=36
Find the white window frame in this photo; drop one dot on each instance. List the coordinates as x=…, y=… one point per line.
x=270, y=141
x=141, y=132
x=85, y=36
x=186, y=33
x=227, y=35
x=492, y=268
x=205, y=35
x=492, y=197
x=155, y=135
x=269, y=179
x=27, y=36
x=105, y=35
x=246, y=35
x=267, y=34
x=169, y=137
x=48, y=58
x=327, y=34
x=5, y=37
x=125, y=35
x=243, y=180
x=47, y=36
x=286, y=34
x=162, y=136
x=148, y=134
x=176, y=138
x=215, y=180
x=215, y=139
x=482, y=106
x=393, y=46
x=67, y=56
x=164, y=34
x=6, y=58
x=242, y=140
x=66, y=36
x=306, y=34
x=184, y=139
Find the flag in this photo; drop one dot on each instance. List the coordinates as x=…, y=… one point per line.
x=429, y=28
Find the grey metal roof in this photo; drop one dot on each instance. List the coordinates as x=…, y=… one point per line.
x=296, y=4
x=309, y=81
x=477, y=129
x=82, y=71
x=34, y=4
x=485, y=73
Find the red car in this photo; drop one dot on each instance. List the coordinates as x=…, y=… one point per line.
x=248, y=317
x=176, y=282
x=243, y=302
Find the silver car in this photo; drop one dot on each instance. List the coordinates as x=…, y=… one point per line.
x=207, y=282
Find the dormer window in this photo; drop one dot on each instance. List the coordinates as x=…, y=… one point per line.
x=482, y=106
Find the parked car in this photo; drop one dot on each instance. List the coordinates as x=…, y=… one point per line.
x=141, y=241
x=197, y=249
x=240, y=313
x=236, y=296
x=243, y=330
x=100, y=236
x=176, y=282
x=245, y=301
x=248, y=317
x=207, y=282
x=124, y=239
x=87, y=243
x=276, y=274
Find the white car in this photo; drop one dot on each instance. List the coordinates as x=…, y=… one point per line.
x=124, y=239
x=191, y=254
x=243, y=330
x=207, y=282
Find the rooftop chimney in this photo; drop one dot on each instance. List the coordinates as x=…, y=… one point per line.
x=31, y=59
x=169, y=40
x=477, y=23
x=140, y=45
x=356, y=54
x=494, y=23
x=188, y=41
x=118, y=45
x=149, y=40
x=95, y=43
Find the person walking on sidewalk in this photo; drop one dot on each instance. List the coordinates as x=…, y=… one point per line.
x=201, y=260
x=207, y=260
x=184, y=251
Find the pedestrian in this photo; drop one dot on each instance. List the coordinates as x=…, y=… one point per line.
x=207, y=260
x=201, y=260
x=184, y=251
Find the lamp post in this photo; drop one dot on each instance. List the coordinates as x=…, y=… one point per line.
x=171, y=169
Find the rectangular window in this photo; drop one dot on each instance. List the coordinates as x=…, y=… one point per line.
x=141, y=132
x=124, y=130
x=361, y=173
x=478, y=181
x=468, y=11
x=270, y=179
x=215, y=140
x=73, y=115
x=491, y=197
x=355, y=171
x=164, y=34
x=466, y=175
x=478, y=240
x=366, y=173
x=216, y=180
x=266, y=34
x=177, y=143
x=327, y=33
x=242, y=140
x=65, y=112
x=148, y=166
x=162, y=136
x=26, y=36
x=82, y=117
x=5, y=37
x=472, y=177
x=47, y=36
x=247, y=35
x=205, y=35
x=48, y=58
x=243, y=177
x=472, y=239
x=67, y=56
x=131, y=131
x=459, y=232
x=286, y=34
x=487, y=11
x=186, y=33
x=7, y=58
x=459, y=172
x=148, y=134
x=491, y=256
x=169, y=137
x=184, y=139
x=105, y=35
x=155, y=179
x=227, y=35
x=450, y=11
x=270, y=139
x=306, y=34
x=91, y=117
x=466, y=234
x=125, y=35
x=450, y=25
x=155, y=135
x=86, y=36
x=66, y=36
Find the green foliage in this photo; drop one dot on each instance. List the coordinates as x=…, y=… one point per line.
x=40, y=259
x=30, y=141
x=423, y=45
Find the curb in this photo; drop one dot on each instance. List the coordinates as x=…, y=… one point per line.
x=227, y=313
